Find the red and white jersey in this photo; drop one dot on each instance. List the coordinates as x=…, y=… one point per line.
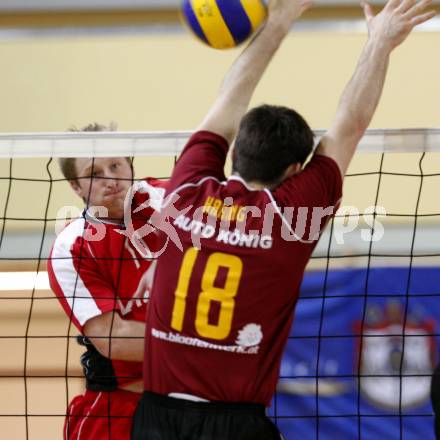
x=221, y=308
x=94, y=268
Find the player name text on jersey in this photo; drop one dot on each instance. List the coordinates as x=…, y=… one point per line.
x=199, y=230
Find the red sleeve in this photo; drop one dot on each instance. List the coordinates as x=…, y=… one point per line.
x=204, y=155
x=318, y=185
x=148, y=200
x=78, y=282
x=157, y=183
x=148, y=197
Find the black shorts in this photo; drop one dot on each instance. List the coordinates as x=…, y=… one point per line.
x=160, y=417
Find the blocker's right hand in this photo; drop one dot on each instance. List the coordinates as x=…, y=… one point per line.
x=287, y=11
x=396, y=20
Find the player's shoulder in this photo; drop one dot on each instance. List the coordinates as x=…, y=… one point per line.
x=149, y=185
x=206, y=139
x=207, y=136
x=152, y=189
x=204, y=186
x=319, y=167
x=153, y=182
x=320, y=181
x=69, y=235
x=320, y=160
x=323, y=169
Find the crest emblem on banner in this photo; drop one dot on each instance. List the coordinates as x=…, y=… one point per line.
x=395, y=366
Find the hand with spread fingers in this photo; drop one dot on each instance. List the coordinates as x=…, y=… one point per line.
x=396, y=20
x=386, y=30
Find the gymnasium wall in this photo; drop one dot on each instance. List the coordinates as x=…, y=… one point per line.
x=166, y=81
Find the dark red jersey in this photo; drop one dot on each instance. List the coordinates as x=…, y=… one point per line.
x=94, y=268
x=225, y=290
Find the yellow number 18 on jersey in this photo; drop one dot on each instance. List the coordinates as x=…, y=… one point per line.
x=225, y=296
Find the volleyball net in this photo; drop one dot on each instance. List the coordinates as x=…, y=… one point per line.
x=365, y=337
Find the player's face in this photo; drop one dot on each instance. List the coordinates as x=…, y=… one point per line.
x=104, y=182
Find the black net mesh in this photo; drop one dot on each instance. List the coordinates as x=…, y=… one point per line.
x=334, y=383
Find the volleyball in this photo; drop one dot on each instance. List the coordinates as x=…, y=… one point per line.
x=223, y=24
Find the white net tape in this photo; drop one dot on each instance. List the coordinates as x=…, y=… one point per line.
x=114, y=144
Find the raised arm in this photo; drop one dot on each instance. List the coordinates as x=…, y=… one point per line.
x=239, y=84
x=358, y=102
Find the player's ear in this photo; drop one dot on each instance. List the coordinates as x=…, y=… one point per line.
x=76, y=187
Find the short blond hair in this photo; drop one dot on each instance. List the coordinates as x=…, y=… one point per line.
x=67, y=164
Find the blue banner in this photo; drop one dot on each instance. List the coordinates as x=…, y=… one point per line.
x=350, y=370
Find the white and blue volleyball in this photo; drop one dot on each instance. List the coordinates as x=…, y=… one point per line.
x=223, y=24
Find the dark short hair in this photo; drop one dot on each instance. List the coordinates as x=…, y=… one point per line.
x=271, y=138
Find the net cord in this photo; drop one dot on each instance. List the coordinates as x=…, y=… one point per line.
x=118, y=144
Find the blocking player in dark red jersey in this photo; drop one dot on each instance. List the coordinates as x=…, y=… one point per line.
x=103, y=282
x=226, y=288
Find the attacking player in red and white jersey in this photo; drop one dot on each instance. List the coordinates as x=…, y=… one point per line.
x=103, y=283
x=225, y=290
